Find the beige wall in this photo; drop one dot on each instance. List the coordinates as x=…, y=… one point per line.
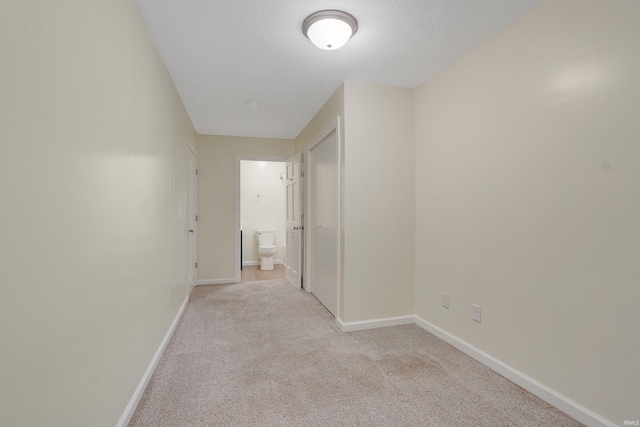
x=93, y=206
x=376, y=197
x=217, y=231
x=379, y=209
x=527, y=189
x=325, y=118
x=526, y=203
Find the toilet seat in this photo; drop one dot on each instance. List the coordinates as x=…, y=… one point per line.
x=266, y=252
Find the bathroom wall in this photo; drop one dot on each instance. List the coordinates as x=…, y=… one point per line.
x=262, y=205
x=93, y=236
x=527, y=194
x=217, y=232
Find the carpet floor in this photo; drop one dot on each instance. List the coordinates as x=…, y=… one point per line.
x=265, y=354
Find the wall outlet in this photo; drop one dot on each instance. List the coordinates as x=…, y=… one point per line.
x=445, y=300
x=476, y=313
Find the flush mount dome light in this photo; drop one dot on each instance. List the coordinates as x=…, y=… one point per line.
x=329, y=29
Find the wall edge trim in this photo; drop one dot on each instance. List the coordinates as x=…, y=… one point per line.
x=142, y=385
x=216, y=281
x=250, y=263
x=375, y=323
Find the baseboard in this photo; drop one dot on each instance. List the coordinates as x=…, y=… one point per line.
x=137, y=395
x=550, y=396
x=216, y=281
x=375, y=323
x=250, y=263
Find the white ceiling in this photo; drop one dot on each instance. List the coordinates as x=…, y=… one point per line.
x=224, y=54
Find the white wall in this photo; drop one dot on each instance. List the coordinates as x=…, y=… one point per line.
x=527, y=185
x=262, y=205
x=93, y=205
x=379, y=209
x=217, y=231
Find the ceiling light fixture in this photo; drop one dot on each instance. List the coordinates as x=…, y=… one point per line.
x=329, y=29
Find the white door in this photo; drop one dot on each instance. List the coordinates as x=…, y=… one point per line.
x=323, y=219
x=192, y=213
x=294, y=227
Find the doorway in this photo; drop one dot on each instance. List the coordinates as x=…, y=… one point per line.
x=262, y=216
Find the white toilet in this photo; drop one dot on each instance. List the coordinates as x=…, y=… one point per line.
x=266, y=248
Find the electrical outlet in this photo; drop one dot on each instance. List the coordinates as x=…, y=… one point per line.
x=445, y=300
x=476, y=313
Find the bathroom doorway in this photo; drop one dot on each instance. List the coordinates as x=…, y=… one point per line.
x=262, y=218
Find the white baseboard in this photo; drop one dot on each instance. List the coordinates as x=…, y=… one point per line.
x=375, y=323
x=137, y=395
x=550, y=396
x=216, y=281
x=249, y=263
x=547, y=394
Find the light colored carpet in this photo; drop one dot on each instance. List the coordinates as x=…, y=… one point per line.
x=265, y=354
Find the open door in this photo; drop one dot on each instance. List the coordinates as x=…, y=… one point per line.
x=294, y=227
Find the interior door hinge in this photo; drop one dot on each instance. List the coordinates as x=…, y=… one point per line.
x=196, y=265
x=196, y=218
x=196, y=171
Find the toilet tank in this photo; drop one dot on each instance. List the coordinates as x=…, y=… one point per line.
x=266, y=237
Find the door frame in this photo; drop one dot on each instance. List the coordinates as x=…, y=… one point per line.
x=191, y=149
x=308, y=265
x=239, y=158
x=297, y=159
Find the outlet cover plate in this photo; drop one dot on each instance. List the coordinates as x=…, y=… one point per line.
x=476, y=313
x=445, y=300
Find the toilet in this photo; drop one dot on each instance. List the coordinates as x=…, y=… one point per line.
x=266, y=248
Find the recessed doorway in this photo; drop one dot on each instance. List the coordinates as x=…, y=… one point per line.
x=262, y=218
x=291, y=244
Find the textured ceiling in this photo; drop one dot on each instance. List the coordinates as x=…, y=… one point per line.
x=225, y=54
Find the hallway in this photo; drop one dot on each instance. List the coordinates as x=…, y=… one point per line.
x=264, y=354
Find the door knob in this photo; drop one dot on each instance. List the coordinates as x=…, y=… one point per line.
x=191, y=230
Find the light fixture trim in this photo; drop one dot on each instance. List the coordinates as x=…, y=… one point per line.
x=329, y=14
